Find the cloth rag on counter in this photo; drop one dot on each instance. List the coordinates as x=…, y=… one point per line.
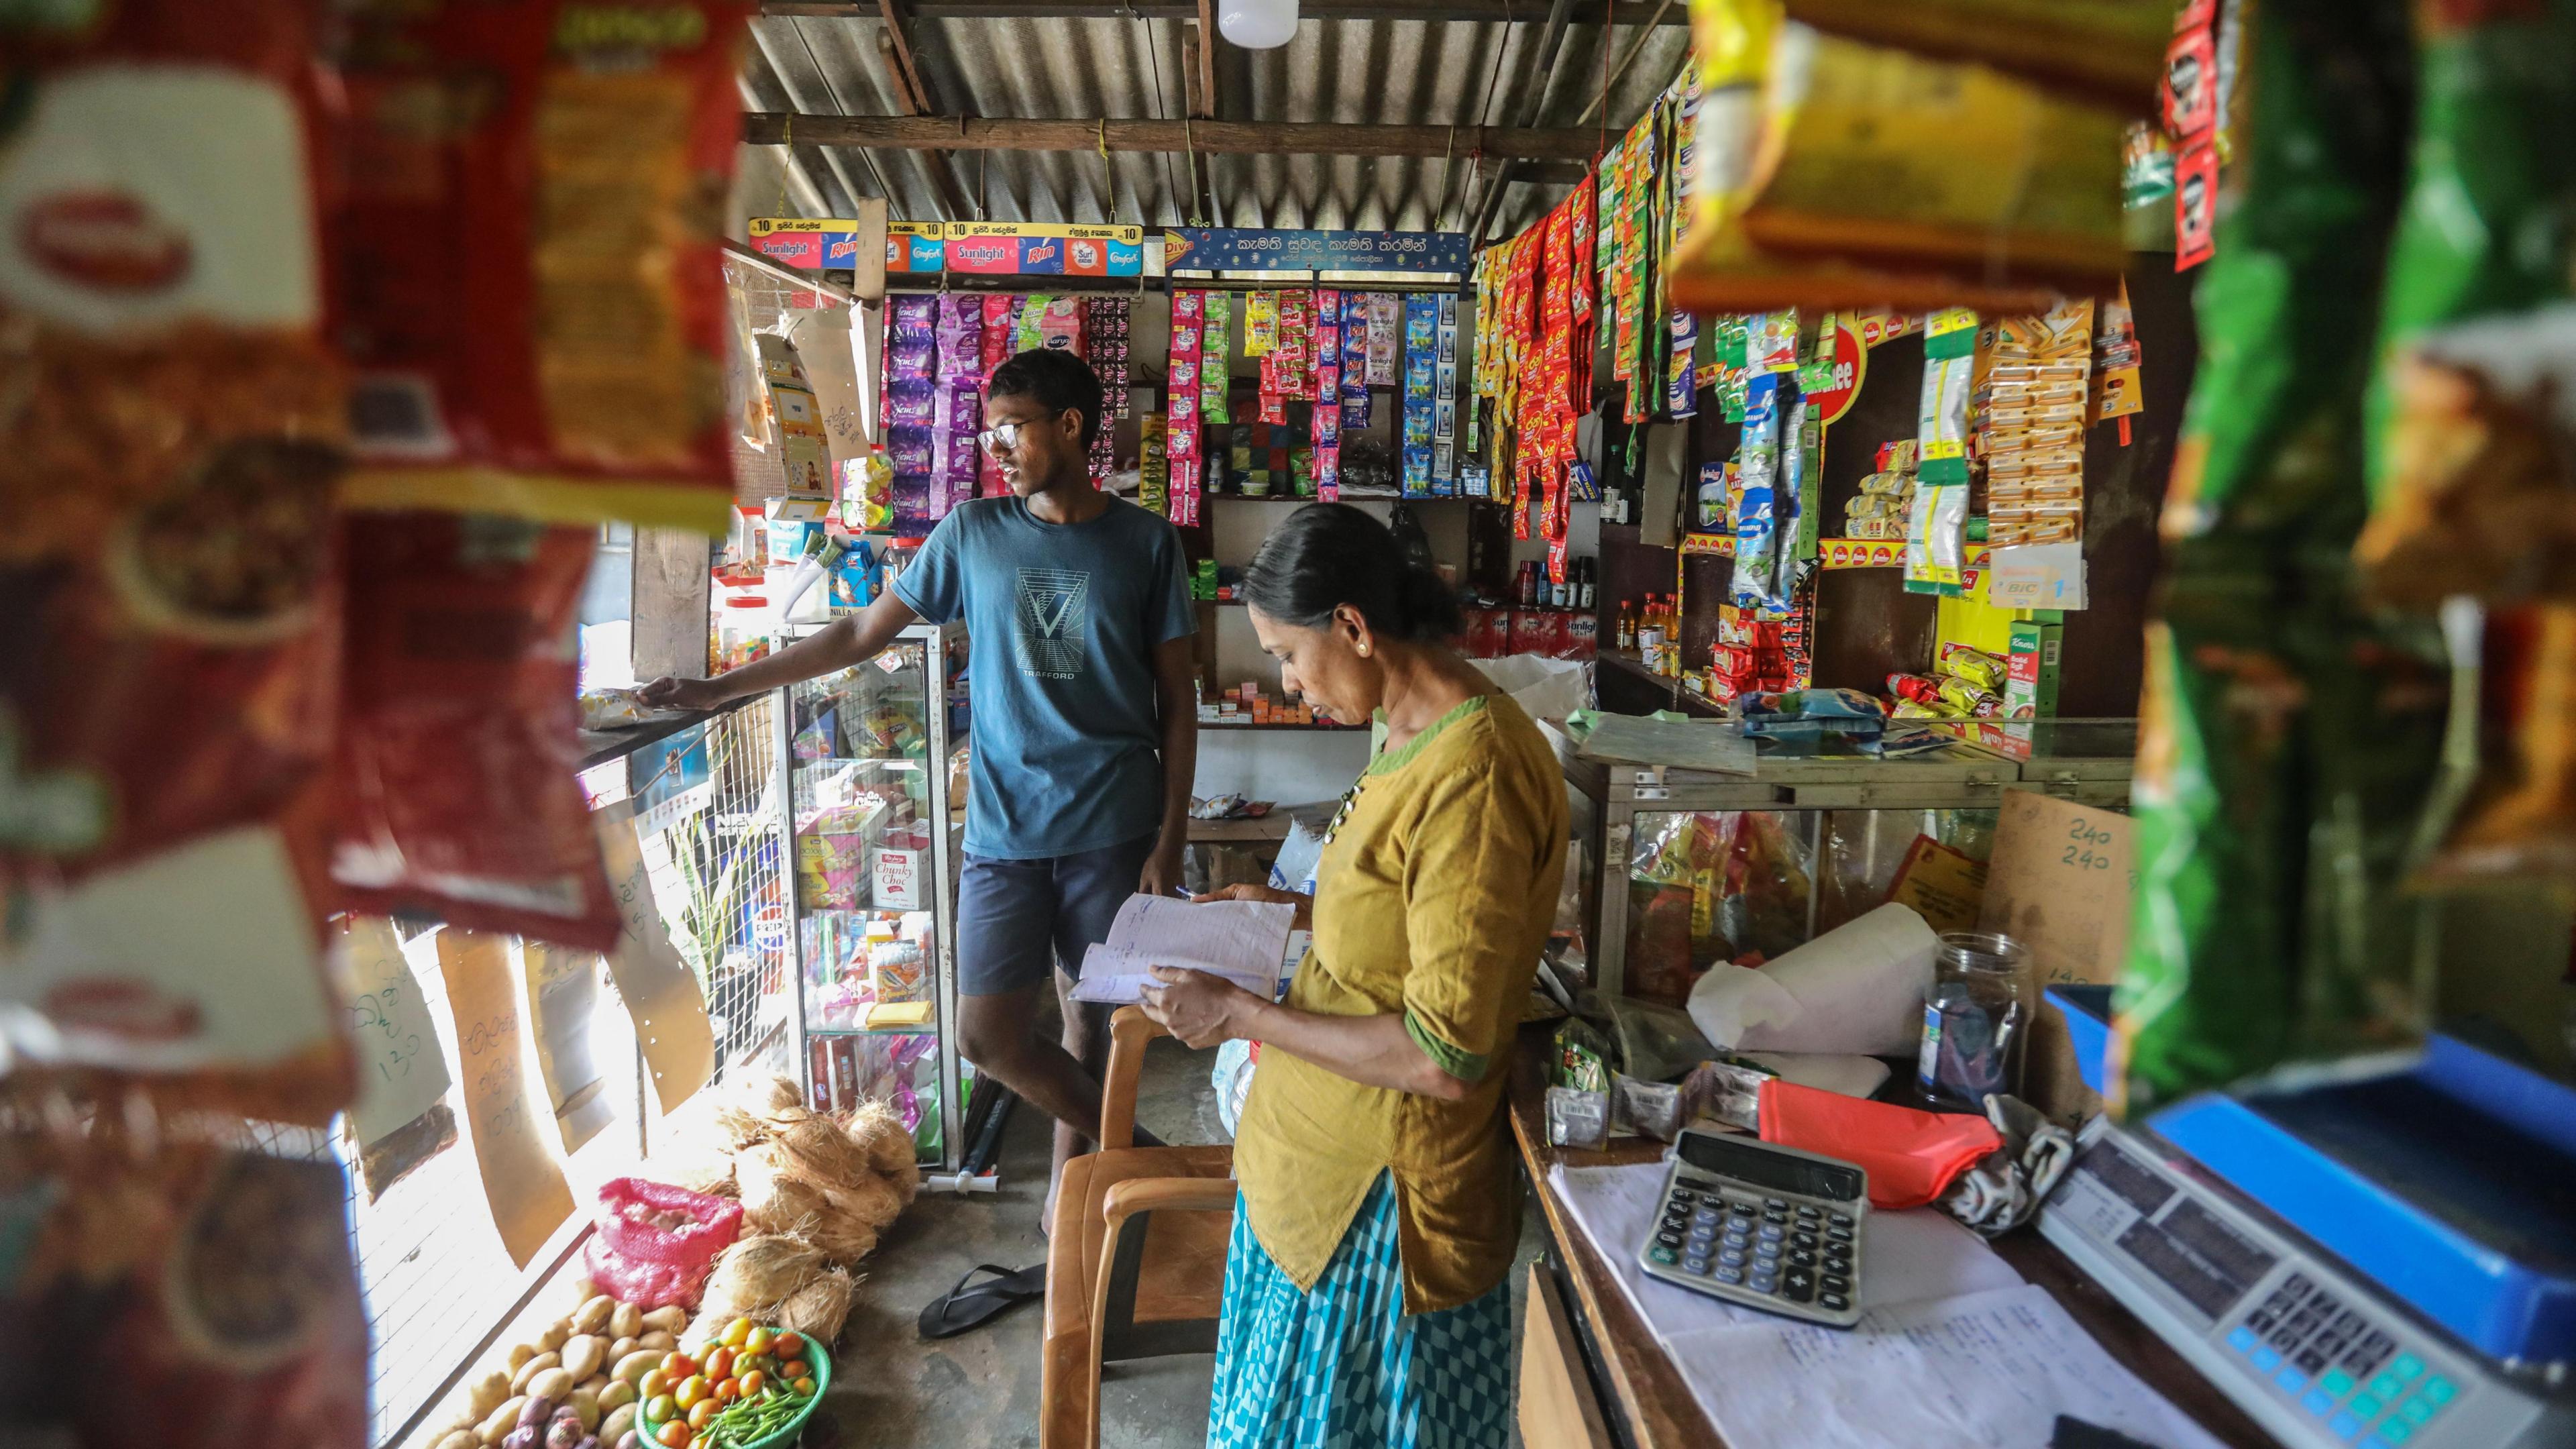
x=2004, y=1189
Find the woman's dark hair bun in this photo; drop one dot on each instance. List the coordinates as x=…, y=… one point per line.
x=1330, y=554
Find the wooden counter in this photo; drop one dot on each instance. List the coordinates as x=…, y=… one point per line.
x=1643, y=1395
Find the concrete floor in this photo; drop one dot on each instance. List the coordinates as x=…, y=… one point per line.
x=980, y=1390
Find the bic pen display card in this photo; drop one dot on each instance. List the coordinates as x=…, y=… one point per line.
x=1242, y=941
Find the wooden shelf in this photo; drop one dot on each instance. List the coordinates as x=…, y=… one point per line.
x=1681, y=698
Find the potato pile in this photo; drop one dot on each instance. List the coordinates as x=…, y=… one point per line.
x=816, y=1192
x=575, y=1383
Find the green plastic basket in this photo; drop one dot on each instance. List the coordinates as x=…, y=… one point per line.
x=819, y=1358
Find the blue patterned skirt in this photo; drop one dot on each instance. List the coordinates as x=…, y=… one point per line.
x=1340, y=1366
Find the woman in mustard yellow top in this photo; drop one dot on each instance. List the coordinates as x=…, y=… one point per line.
x=1365, y=1301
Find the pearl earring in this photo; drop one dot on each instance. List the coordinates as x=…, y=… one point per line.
x=1364, y=651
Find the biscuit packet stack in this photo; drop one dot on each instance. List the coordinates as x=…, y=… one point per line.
x=2031, y=411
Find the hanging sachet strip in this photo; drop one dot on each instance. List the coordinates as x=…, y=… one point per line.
x=1444, y=398
x=1183, y=444
x=1328, y=393
x=1355, y=390
x=1385, y=338
x=1421, y=370
x=1215, y=373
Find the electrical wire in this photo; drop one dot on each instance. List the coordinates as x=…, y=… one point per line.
x=1484, y=119
x=1610, y=77
x=1171, y=188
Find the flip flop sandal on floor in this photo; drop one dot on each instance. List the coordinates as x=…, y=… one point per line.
x=964, y=1307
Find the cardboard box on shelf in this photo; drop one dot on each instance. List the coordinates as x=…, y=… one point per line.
x=2060, y=882
x=897, y=874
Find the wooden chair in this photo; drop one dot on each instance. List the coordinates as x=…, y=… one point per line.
x=1136, y=1267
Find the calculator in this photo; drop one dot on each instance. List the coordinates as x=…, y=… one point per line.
x=1761, y=1225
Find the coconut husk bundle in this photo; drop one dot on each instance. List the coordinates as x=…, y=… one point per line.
x=817, y=1192
x=888, y=1146
x=775, y=1278
x=841, y=1217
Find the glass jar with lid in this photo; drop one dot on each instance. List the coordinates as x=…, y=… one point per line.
x=1974, y=1018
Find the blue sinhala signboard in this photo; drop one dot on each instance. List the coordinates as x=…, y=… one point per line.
x=1230, y=249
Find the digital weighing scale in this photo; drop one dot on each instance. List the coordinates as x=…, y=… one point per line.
x=2391, y=1263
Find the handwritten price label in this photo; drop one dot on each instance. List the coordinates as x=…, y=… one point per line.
x=521, y=1179
x=402, y=1071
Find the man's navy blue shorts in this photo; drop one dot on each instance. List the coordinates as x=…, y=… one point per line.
x=1015, y=917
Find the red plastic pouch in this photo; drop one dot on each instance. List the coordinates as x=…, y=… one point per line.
x=169, y=591
x=657, y=1243
x=1911, y=1157
x=223, y=1279
x=455, y=775
x=534, y=286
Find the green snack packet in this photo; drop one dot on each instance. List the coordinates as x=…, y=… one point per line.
x=2288, y=739
x=2489, y=227
x=1582, y=1057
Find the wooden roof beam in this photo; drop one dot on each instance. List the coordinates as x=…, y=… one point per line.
x=894, y=48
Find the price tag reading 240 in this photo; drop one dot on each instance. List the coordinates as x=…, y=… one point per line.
x=2089, y=848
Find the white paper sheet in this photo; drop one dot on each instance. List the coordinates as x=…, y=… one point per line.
x=1242, y=941
x=1989, y=1371
x=1953, y=1349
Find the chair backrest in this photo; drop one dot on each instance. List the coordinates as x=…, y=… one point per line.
x=1129, y=1030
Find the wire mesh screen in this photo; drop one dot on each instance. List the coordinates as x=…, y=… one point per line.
x=431, y=1263
x=721, y=877
x=436, y=1276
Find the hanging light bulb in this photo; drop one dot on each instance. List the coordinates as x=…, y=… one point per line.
x=1258, y=24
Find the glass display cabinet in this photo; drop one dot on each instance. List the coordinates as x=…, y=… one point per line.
x=1683, y=867
x=874, y=762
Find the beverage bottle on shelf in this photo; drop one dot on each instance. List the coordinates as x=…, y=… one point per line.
x=1527, y=589
x=1583, y=586
x=1625, y=636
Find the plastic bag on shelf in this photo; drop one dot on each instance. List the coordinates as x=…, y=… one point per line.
x=1708, y=887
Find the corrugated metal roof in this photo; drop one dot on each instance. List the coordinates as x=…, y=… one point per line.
x=1388, y=72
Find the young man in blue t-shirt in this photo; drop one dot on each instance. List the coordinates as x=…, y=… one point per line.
x=1085, y=722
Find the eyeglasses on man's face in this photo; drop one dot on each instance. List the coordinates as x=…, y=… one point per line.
x=1004, y=437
